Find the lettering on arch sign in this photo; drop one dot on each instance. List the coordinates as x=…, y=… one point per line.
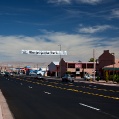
x=38, y=52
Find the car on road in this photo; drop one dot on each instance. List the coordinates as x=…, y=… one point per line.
x=32, y=74
x=87, y=77
x=39, y=76
x=68, y=78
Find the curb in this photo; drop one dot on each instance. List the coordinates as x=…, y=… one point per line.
x=1, y=117
x=5, y=112
x=101, y=83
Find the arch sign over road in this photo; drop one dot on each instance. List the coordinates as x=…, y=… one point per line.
x=38, y=52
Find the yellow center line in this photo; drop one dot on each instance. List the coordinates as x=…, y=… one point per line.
x=75, y=90
x=70, y=85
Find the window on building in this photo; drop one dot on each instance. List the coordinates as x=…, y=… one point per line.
x=83, y=65
x=71, y=65
x=90, y=65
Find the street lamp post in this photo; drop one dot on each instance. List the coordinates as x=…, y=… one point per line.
x=60, y=60
x=113, y=72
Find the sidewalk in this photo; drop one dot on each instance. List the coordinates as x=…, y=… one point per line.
x=4, y=109
x=101, y=82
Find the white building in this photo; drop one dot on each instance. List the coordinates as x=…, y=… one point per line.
x=53, y=68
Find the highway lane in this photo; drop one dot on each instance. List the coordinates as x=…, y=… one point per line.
x=92, y=89
x=33, y=99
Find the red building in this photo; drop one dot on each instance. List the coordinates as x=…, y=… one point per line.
x=104, y=60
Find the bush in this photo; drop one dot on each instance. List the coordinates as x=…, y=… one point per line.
x=111, y=77
x=117, y=78
x=97, y=78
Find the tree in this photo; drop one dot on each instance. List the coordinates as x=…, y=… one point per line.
x=91, y=60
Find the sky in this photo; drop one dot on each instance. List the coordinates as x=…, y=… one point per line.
x=78, y=26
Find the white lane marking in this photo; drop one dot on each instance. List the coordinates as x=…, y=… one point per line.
x=29, y=86
x=47, y=92
x=89, y=106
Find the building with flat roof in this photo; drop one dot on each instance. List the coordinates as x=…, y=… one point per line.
x=74, y=67
x=77, y=68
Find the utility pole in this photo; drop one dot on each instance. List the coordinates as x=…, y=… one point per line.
x=60, y=60
x=94, y=64
x=37, y=67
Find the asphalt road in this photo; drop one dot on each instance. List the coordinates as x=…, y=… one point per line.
x=29, y=98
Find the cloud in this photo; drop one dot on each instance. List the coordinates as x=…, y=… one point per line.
x=60, y=1
x=92, y=2
x=94, y=29
x=115, y=13
x=79, y=47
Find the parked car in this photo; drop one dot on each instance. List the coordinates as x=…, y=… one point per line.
x=89, y=76
x=2, y=73
x=68, y=78
x=6, y=74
